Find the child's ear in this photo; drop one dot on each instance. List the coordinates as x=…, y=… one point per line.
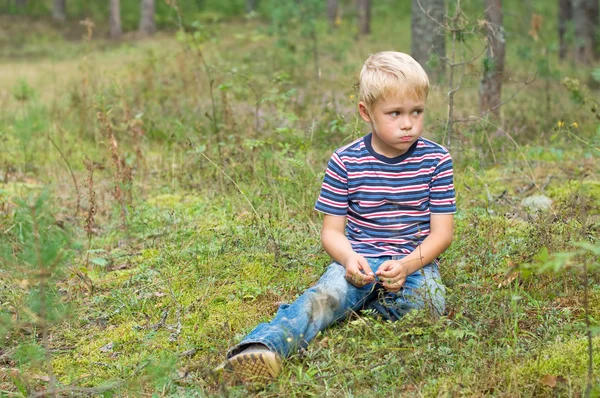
x=364, y=112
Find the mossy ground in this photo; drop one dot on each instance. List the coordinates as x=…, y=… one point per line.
x=220, y=229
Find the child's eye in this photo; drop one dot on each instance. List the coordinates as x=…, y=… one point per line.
x=417, y=112
x=395, y=113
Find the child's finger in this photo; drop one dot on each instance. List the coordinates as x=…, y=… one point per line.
x=391, y=285
x=385, y=267
x=364, y=265
x=366, y=278
x=355, y=276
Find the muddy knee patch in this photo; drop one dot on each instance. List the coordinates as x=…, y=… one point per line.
x=324, y=303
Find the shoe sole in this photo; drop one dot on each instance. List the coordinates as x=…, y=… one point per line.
x=256, y=369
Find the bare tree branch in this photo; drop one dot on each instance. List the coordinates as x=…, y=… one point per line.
x=426, y=12
x=483, y=114
x=465, y=62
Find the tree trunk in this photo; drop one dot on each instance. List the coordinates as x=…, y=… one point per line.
x=491, y=84
x=251, y=5
x=364, y=16
x=565, y=17
x=428, y=42
x=147, y=23
x=115, y=19
x=20, y=3
x=59, y=12
x=584, y=30
x=332, y=12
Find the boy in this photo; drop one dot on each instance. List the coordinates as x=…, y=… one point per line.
x=388, y=200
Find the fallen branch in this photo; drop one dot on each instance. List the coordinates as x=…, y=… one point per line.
x=81, y=390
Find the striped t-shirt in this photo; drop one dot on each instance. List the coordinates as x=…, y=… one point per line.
x=387, y=201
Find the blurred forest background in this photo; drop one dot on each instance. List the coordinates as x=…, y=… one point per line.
x=160, y=159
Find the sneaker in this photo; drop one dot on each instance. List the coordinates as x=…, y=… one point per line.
x=256, y=366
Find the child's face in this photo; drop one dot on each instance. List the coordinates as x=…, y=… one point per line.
x=397, y=123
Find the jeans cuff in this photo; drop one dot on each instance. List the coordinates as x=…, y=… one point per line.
x=244, y=344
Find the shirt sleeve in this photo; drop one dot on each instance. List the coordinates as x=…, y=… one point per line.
x=333, y=199
x=442, y=199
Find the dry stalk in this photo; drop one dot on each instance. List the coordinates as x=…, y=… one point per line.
x=137, y=132
x=228, y=118
x=113, y=147
x=78, y=195
x=89, y=225
x=89, y=27
x=135, y=128
x=6, y=171
x=126, y=180
x=123, y=174
x=90, y=222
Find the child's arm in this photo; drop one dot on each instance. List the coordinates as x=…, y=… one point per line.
x=393, y=273
x=338, y=247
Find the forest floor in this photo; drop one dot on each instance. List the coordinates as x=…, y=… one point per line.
x=204, y=176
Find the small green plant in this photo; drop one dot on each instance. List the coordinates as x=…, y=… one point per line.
x=35, y=254
x=585, y=259
x=23, y=92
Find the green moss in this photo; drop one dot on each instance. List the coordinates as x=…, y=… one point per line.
x=87, y=356
x=148, y=254
x=168, y=201
x=566, y=191
x=19, y=189
x=187, y=203
x=476, y=185
x=567, y=358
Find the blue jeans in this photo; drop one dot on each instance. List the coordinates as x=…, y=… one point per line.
x=332, y=299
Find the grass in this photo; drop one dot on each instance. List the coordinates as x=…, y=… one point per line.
x=220, y=230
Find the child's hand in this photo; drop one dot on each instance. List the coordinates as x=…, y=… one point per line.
x=358, y=271
x=392, y=275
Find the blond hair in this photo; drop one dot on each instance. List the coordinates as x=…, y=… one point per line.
x=391, y=74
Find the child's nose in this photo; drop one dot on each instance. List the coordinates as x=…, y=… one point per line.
x=405, y=123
